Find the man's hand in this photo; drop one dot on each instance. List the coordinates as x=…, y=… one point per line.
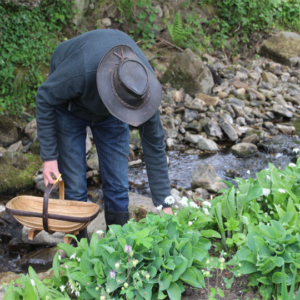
x=168, y=210
x=50, y=167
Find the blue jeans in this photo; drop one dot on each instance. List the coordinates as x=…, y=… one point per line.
x=111, y=137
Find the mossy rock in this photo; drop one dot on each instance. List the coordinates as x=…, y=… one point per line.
x=14, y=179
x=282, y=47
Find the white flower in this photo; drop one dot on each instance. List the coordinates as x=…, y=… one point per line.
x=62, y=288
x=268, y=224
x=3, y=62
x=193, y=204
x=184, y=202
x=32, y=282
x=190, y=223
x=222, y=260
x=266, y=192
x=248, y=172
x=175, y=214
x=205, y=210
x=159, y=207
x=170, y=200
x=281, y=191
x=206, y=203
x=100, y=232
x=59, y=257
x=73, y=256
x=268, y=177
x=296, y=150
x=176, y=206
x=266, y=213
x=77, y=293
x=78, y=259
x=292, y=165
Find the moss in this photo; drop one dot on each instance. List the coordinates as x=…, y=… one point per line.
x=14, y=180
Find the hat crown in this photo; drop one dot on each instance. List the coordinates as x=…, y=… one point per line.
x=133, y=76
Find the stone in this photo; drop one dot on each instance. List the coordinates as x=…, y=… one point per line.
x=286, y=129
x=208, y=99
x=213, y=129
x=257, y=94
x=236, y=101
x=252, y=138
x=106, y=22
x=81, y=7
x=189, y=115
x=275, y=68
x=207, y=145
x=31, y=129
x=241, y=75
x=16, y=159
x=192, y=138
x=170, y=143
x=283, y=48
x=244, y=150
x=255, y=76
x=270, y=78
x=134, y=162
x=169, y=126
x=16, y=147
x=232, y=173
x=280, y=100
x=208, y=58
x=204, y=176
x=88, y=144
x=194, y=125
x=285, y=77
x=229, y=130
x=196, y=104
x=93, y=162
x=241, y=121
x=282, y=111
x=222, y=95
x=8, y=132
x=187, y=71
x=241, y=91
x=201, y=193
x=240, y=85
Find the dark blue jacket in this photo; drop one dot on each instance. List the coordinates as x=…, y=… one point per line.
x=72, y=83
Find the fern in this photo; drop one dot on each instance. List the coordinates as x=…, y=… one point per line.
x=176, y=30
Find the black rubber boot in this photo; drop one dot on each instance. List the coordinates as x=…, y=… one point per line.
x=116, y=218
x=82, y=234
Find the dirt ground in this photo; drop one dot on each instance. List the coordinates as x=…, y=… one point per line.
x=238, y=291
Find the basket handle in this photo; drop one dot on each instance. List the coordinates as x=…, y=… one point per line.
x=47, y=193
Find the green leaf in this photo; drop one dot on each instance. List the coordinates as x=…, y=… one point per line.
x=209, y=233
x=255, y=192
x=174, y=292
x=9, y=295
x=29, y=290
x=248, y=268
x=192, y=278
x=179, y=270
x=85, y=264
x=164, y=281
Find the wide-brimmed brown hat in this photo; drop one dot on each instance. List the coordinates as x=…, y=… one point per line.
x=129, y=90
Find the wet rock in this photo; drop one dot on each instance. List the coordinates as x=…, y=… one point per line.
x=207, y=145
x=282, y=111
x=8, y=132
x=244, y=150
x=187, y=71
x=192, y=138
x=232, y=173
x=283, y=47
x=205, y=176
x=17, y=246
x=253, y=139
x=286, y=129
x=170, y=143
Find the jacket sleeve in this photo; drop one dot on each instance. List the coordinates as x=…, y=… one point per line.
x=63, y=84
x=152, y=136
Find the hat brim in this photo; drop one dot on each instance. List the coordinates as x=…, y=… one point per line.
x=130, y=116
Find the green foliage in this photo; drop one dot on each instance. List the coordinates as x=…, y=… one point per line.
x=144, y=14
x=268, y=249
x=28, y=38
x=176, y=30
x=236, y=20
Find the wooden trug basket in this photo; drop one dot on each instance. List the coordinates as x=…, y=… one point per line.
x=52, y=215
